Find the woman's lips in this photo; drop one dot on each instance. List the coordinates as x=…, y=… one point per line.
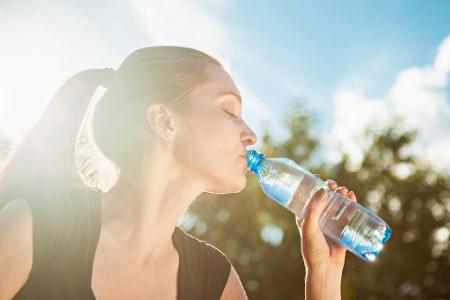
x=245, y=163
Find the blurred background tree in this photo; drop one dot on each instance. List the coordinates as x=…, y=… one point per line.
x=261, y=238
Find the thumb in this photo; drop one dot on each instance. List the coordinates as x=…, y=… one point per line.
x=313, y=210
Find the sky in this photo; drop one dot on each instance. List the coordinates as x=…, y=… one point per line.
x=351, y=62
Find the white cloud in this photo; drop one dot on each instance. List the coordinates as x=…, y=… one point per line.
x=419, y=95
x=442, y=61
x=352, y=113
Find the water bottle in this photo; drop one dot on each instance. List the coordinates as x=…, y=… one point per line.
x=348, y=223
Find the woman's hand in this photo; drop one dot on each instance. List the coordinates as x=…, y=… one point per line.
x=324, y=259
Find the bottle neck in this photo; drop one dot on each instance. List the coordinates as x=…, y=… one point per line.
x=254, y=160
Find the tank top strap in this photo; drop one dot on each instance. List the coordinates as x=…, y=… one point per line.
x=203, y=270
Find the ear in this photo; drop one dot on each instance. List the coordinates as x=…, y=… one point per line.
x=161, y=121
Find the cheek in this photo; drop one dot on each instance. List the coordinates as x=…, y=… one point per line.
x=209, y=132
x=209, y=143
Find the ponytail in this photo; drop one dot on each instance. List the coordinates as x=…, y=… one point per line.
x=41, y=164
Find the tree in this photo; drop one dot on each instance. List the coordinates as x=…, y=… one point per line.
x=414, y=200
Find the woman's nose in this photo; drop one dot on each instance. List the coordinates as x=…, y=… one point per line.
x=248, y=136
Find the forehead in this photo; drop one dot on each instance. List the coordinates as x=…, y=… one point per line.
x=218, y=83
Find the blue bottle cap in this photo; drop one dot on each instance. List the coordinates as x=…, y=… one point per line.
x=254, y=158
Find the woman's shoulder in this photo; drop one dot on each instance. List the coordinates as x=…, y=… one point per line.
x=200, y=249
x=204, y=268
x=15, y=246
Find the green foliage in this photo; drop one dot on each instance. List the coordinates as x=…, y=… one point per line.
x=414, y=200
x=410, y=196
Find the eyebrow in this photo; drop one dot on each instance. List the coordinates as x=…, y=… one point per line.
x=233, y=94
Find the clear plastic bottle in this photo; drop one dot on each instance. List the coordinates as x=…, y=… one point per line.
x=344, y=221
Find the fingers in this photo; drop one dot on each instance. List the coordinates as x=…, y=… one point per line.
x=318, y=202
x=331, y=184
x=341, y=190
x=352, y=196
x=313, y=210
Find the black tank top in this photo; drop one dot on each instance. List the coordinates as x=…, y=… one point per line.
x=65, y=237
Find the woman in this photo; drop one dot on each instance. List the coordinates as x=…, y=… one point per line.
x=170, y=120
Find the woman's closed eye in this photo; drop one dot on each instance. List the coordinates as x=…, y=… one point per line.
x=231, y=114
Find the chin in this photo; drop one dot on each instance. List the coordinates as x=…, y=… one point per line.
x=235, y=186
x=239, y=185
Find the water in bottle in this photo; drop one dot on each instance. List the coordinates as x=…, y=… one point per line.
x=348, y=223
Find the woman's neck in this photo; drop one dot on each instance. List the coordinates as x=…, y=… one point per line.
x=141, y=215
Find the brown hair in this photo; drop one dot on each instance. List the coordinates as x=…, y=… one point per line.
x=42, y=165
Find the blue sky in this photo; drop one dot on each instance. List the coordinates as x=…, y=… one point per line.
x=322, y=44
x=349, y=58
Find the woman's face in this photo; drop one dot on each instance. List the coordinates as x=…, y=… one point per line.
x=211, y=135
